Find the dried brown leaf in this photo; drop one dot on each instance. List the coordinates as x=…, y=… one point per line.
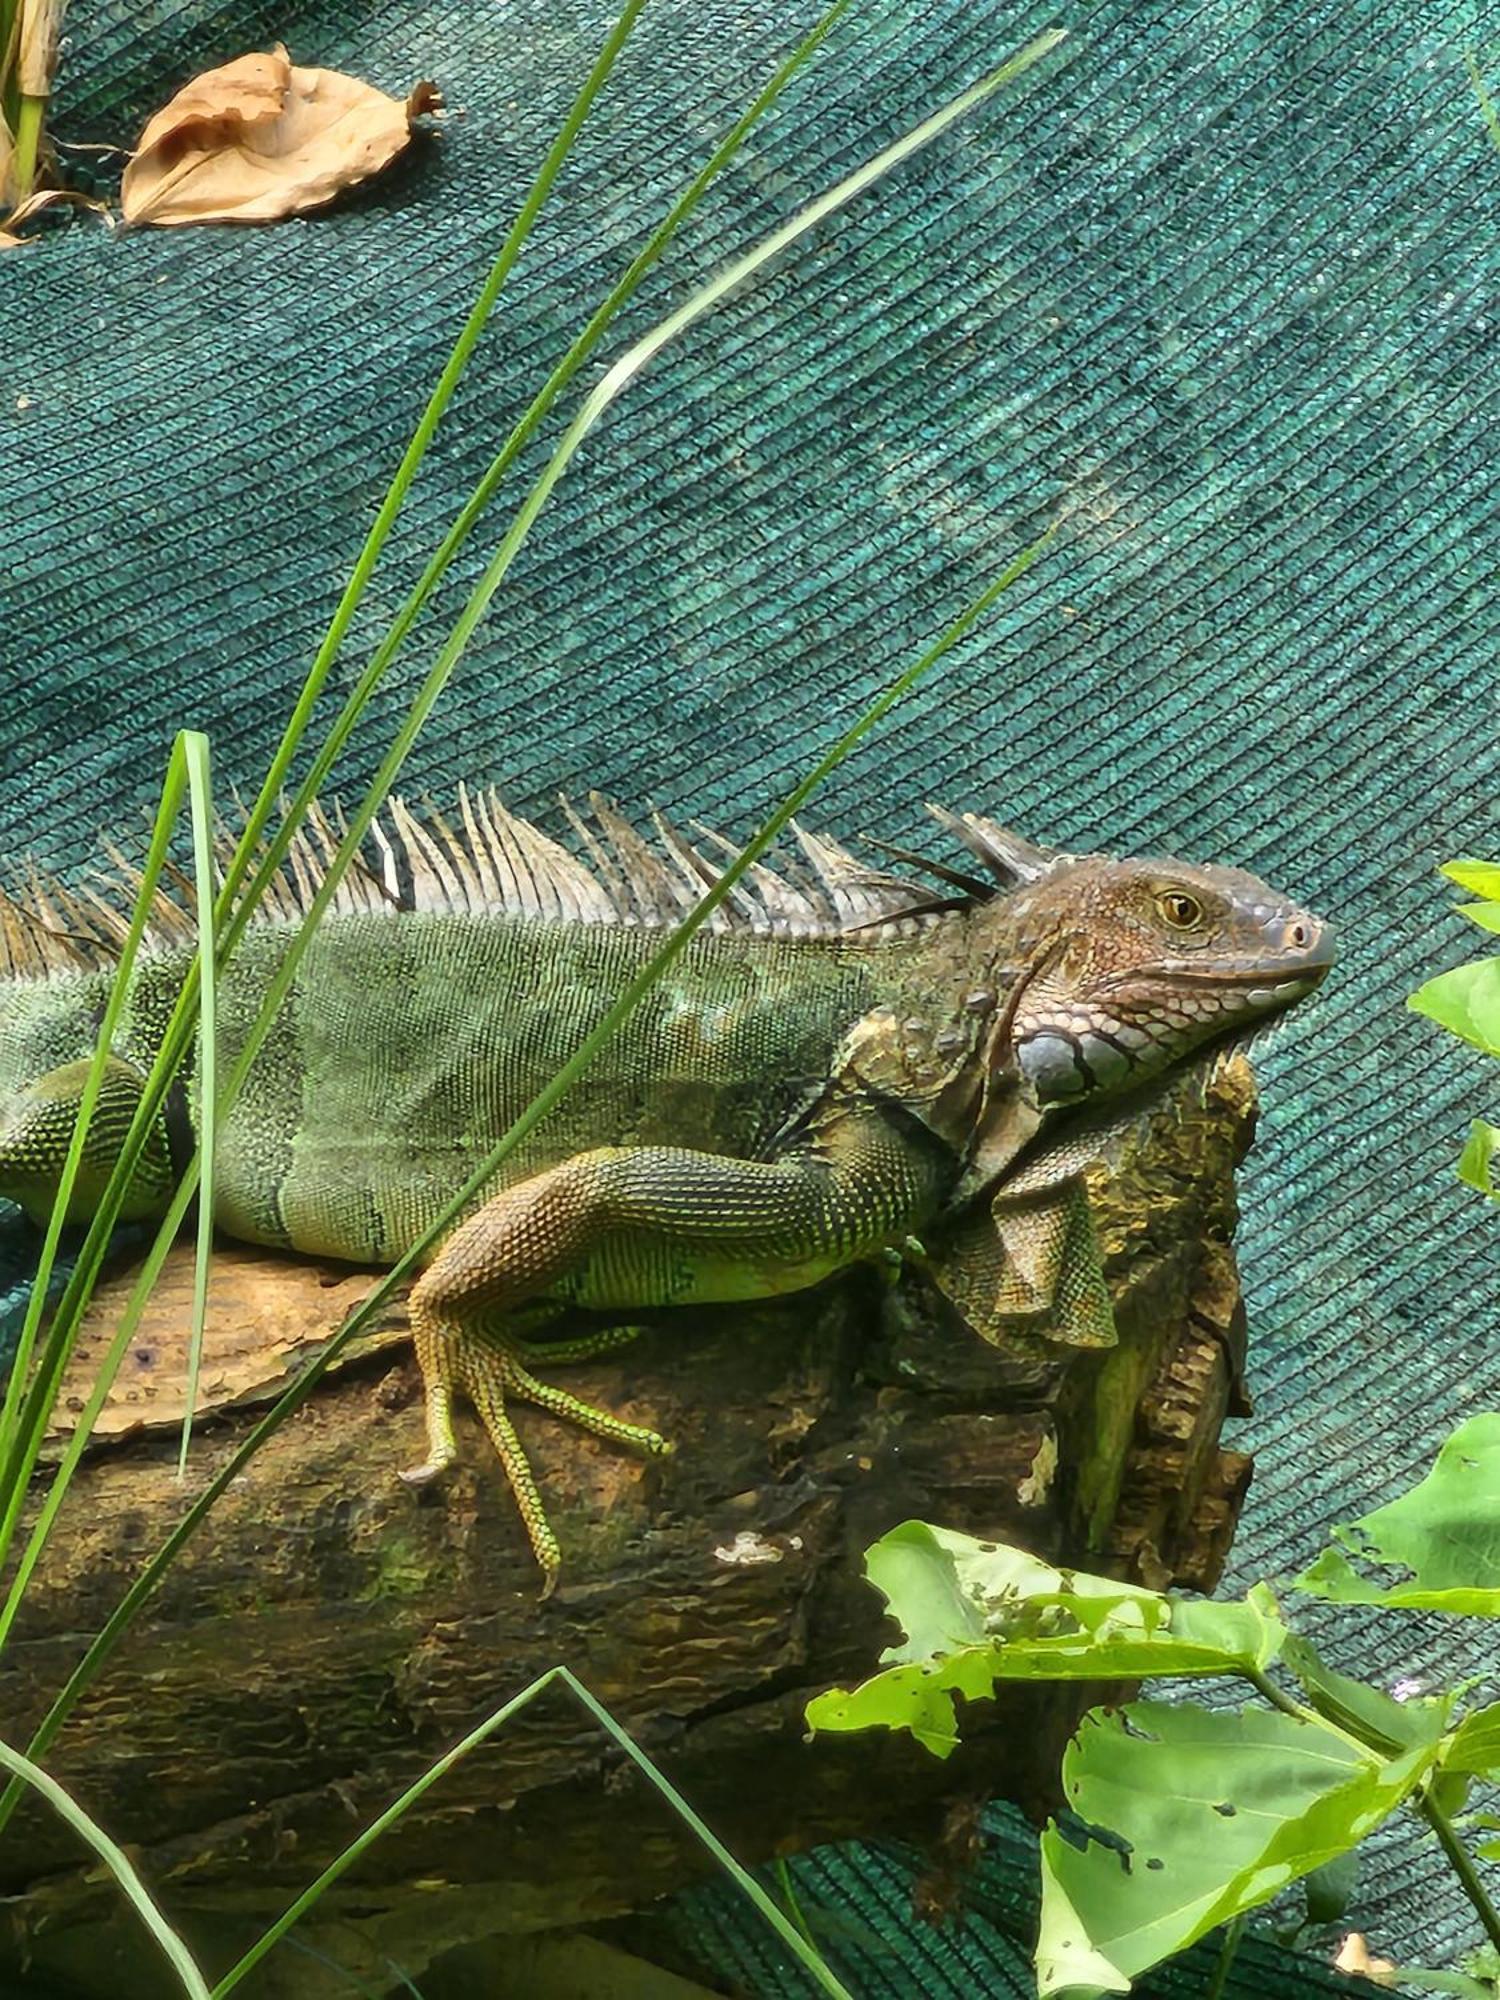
x=1354, y=1955
x=10, y=221
x=260, y=139
x=36, y=54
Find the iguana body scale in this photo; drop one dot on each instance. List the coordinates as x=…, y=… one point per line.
x=717, y=1056
x=837, y=1065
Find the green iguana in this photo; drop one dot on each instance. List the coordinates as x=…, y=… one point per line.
x=839, y=1062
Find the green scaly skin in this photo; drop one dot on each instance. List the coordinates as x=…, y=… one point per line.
x=777, y=1108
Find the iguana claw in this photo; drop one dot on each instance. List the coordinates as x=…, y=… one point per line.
x=490, y=1368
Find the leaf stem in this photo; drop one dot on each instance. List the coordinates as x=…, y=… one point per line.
x=1233, y=1932
x=1279, y=1698
x=1462, y=1864
x=1459, y=1858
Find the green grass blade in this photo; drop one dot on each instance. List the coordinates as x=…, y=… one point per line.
x=559, y=1676
x=743, y=268
x=103, y=1382
x=801, y=1947
x=16, y=1470
x=24, y=1772
x=577, y=354
x=265, y=804
x=200, y=796
x=366, y=1839
x=349, y=1982
x=28, y=138
x=292, y=1400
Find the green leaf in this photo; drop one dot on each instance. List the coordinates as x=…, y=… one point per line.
x=1476, y=1163
x=1445, y=1531
x=1449, y=1792
x=1330, y=1889
x=1205, y=1814
x=1466, y=1001
x=1480, y=878
x=1378, y=1719
x=1421, y=1980
x=977, y=1613
x=1474, y=1747
x=1486, y=915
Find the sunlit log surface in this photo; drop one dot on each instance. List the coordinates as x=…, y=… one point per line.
x=327, y=1633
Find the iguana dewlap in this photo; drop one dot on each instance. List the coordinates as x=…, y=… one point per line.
x=837, y=1066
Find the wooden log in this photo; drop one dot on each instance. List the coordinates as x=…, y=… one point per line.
x=327, y=1634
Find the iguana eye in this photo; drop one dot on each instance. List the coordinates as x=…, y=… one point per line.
x=1180, y=910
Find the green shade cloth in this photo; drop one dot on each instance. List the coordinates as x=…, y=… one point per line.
x=1217, y=285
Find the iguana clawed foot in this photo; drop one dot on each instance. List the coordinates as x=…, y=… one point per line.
x=492, y=1368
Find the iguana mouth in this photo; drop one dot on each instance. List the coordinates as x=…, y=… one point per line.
x=1262, y=982
x=1278, y=981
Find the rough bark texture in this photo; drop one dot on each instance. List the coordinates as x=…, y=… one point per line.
x=326, y=1634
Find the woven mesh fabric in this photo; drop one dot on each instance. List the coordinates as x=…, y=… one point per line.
x=857, y=1905
x=1217, y=285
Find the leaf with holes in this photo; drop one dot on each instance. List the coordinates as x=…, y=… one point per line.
x=1445, y=1532
x=1369, y=1713
x=978, y=1613
x=1180, y=1818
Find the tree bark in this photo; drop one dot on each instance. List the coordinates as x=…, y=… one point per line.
x=326, y=1634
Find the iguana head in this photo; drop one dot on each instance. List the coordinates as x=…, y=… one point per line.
x=1085, y=977
x=1129, y=966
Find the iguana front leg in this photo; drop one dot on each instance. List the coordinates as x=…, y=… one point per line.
x=625, y=1227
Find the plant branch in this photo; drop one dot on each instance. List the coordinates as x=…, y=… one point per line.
x=1462, y=1864
x=1279, y=1698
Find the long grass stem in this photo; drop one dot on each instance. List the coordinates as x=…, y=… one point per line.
x=30, y=112
x=24, y=1772
x=561, y=1676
